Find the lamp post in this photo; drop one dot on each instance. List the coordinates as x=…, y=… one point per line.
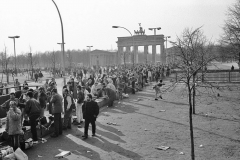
x=166, y=43
x=157, y=28
x=154, y=29
x=132, y=40
x=13, y=37
x=63, y=51
x=89, y=47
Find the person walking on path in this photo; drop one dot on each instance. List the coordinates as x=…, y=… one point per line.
x=157, y=89
x=56, y=102
x=90, y=111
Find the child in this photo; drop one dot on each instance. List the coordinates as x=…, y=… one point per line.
x=157, y=89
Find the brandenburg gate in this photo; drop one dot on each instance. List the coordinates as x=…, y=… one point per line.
x=140, y=39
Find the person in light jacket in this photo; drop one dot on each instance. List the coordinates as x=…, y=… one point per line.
x=13, y=124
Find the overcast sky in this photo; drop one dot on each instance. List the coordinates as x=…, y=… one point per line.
x=89, y=22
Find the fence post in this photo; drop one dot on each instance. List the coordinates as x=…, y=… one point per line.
x=176, y=76
x=229, y=75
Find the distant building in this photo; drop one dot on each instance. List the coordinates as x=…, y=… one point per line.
x=102, y=58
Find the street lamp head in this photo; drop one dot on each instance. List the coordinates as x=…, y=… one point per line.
x=150, y=29
x=13, y=36
x=168, y=36
x=115, y=26
x=159, y=28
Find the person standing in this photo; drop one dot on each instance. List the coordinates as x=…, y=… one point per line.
x=80, y=99
x=17, y=85
x=90, y=111
x=42, y=97
x=13, y=124
x=46, y=84
x=32, y=110
x=56, y=102
x=68, y=102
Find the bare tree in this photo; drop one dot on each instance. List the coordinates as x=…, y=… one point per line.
x=54, y=60
x=193, y=53
x=5, y=63
x=231, y=35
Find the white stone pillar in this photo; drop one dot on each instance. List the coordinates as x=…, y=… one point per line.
x=145, y=53
x=163, y=54
x=135, y=54
x=119, y=57
x=154, y=53
x=127, y=55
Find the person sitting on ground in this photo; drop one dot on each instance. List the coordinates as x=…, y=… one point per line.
x=110, y=85
x=94, y=89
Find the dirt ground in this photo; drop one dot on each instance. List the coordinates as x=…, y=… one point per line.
x=140, y=124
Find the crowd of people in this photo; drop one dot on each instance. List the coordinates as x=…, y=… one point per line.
x=78, y=97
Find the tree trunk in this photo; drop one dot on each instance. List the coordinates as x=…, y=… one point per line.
x=194, y=93
x=190, y=122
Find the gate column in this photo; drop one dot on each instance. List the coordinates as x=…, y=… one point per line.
x=119, y=57
x=127, y=54
x=145, y=53
x=153, y=53
x=163, y=54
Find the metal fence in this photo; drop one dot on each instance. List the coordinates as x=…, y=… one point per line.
x=226, y=76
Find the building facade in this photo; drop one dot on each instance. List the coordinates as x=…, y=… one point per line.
x=102, y=58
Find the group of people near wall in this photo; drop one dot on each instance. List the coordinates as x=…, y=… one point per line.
x=77, y=97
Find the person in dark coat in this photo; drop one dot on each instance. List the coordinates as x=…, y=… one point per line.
x=90, y=111
x=32, y=110
x=110, y=94
x=56, y=101
x=42, y=100
x=68, y=102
